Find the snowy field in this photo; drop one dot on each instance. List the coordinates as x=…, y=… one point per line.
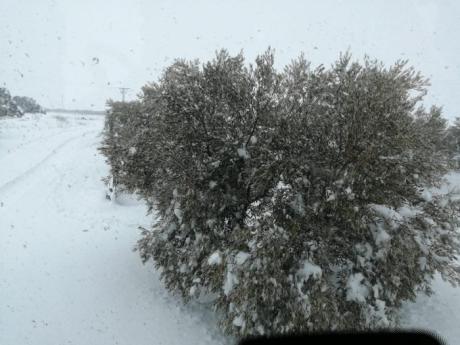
x=68, y=273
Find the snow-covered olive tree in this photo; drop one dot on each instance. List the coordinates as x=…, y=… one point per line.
x=122, y=125
x=8, y=106
x=28, y=104
x=303, y=199
x=452, y=141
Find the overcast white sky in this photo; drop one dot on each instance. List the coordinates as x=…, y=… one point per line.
x=75, y=53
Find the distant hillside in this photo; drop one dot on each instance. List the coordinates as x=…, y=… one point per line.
x=77, y=111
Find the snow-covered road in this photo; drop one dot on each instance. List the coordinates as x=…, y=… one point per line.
x=67, y=272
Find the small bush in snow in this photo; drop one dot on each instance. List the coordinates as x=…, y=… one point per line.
x=300, y=198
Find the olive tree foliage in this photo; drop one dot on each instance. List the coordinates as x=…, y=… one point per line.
x=452, y=141
x=8, y=107
x=28, y=104
x=299, y=198
x=16, y=106
x=123, y=124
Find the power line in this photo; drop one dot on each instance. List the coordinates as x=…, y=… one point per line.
x=123, y=91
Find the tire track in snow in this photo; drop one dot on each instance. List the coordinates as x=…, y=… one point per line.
x=34, y=141
x=36, y=166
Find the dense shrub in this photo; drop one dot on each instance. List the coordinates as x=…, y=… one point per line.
x=300, y=198
x=122, y=126
x=28, y=104
x=16, y=106
x=8, y=106
x=452, y=141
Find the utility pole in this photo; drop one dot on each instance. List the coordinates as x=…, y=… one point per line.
x=123, y=93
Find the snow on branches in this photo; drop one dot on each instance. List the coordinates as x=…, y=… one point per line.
x=300, y=199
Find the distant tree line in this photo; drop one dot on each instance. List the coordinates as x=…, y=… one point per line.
x=301, y=199
x=18, y=105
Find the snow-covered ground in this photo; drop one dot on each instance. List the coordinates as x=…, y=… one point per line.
x=67, y=272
